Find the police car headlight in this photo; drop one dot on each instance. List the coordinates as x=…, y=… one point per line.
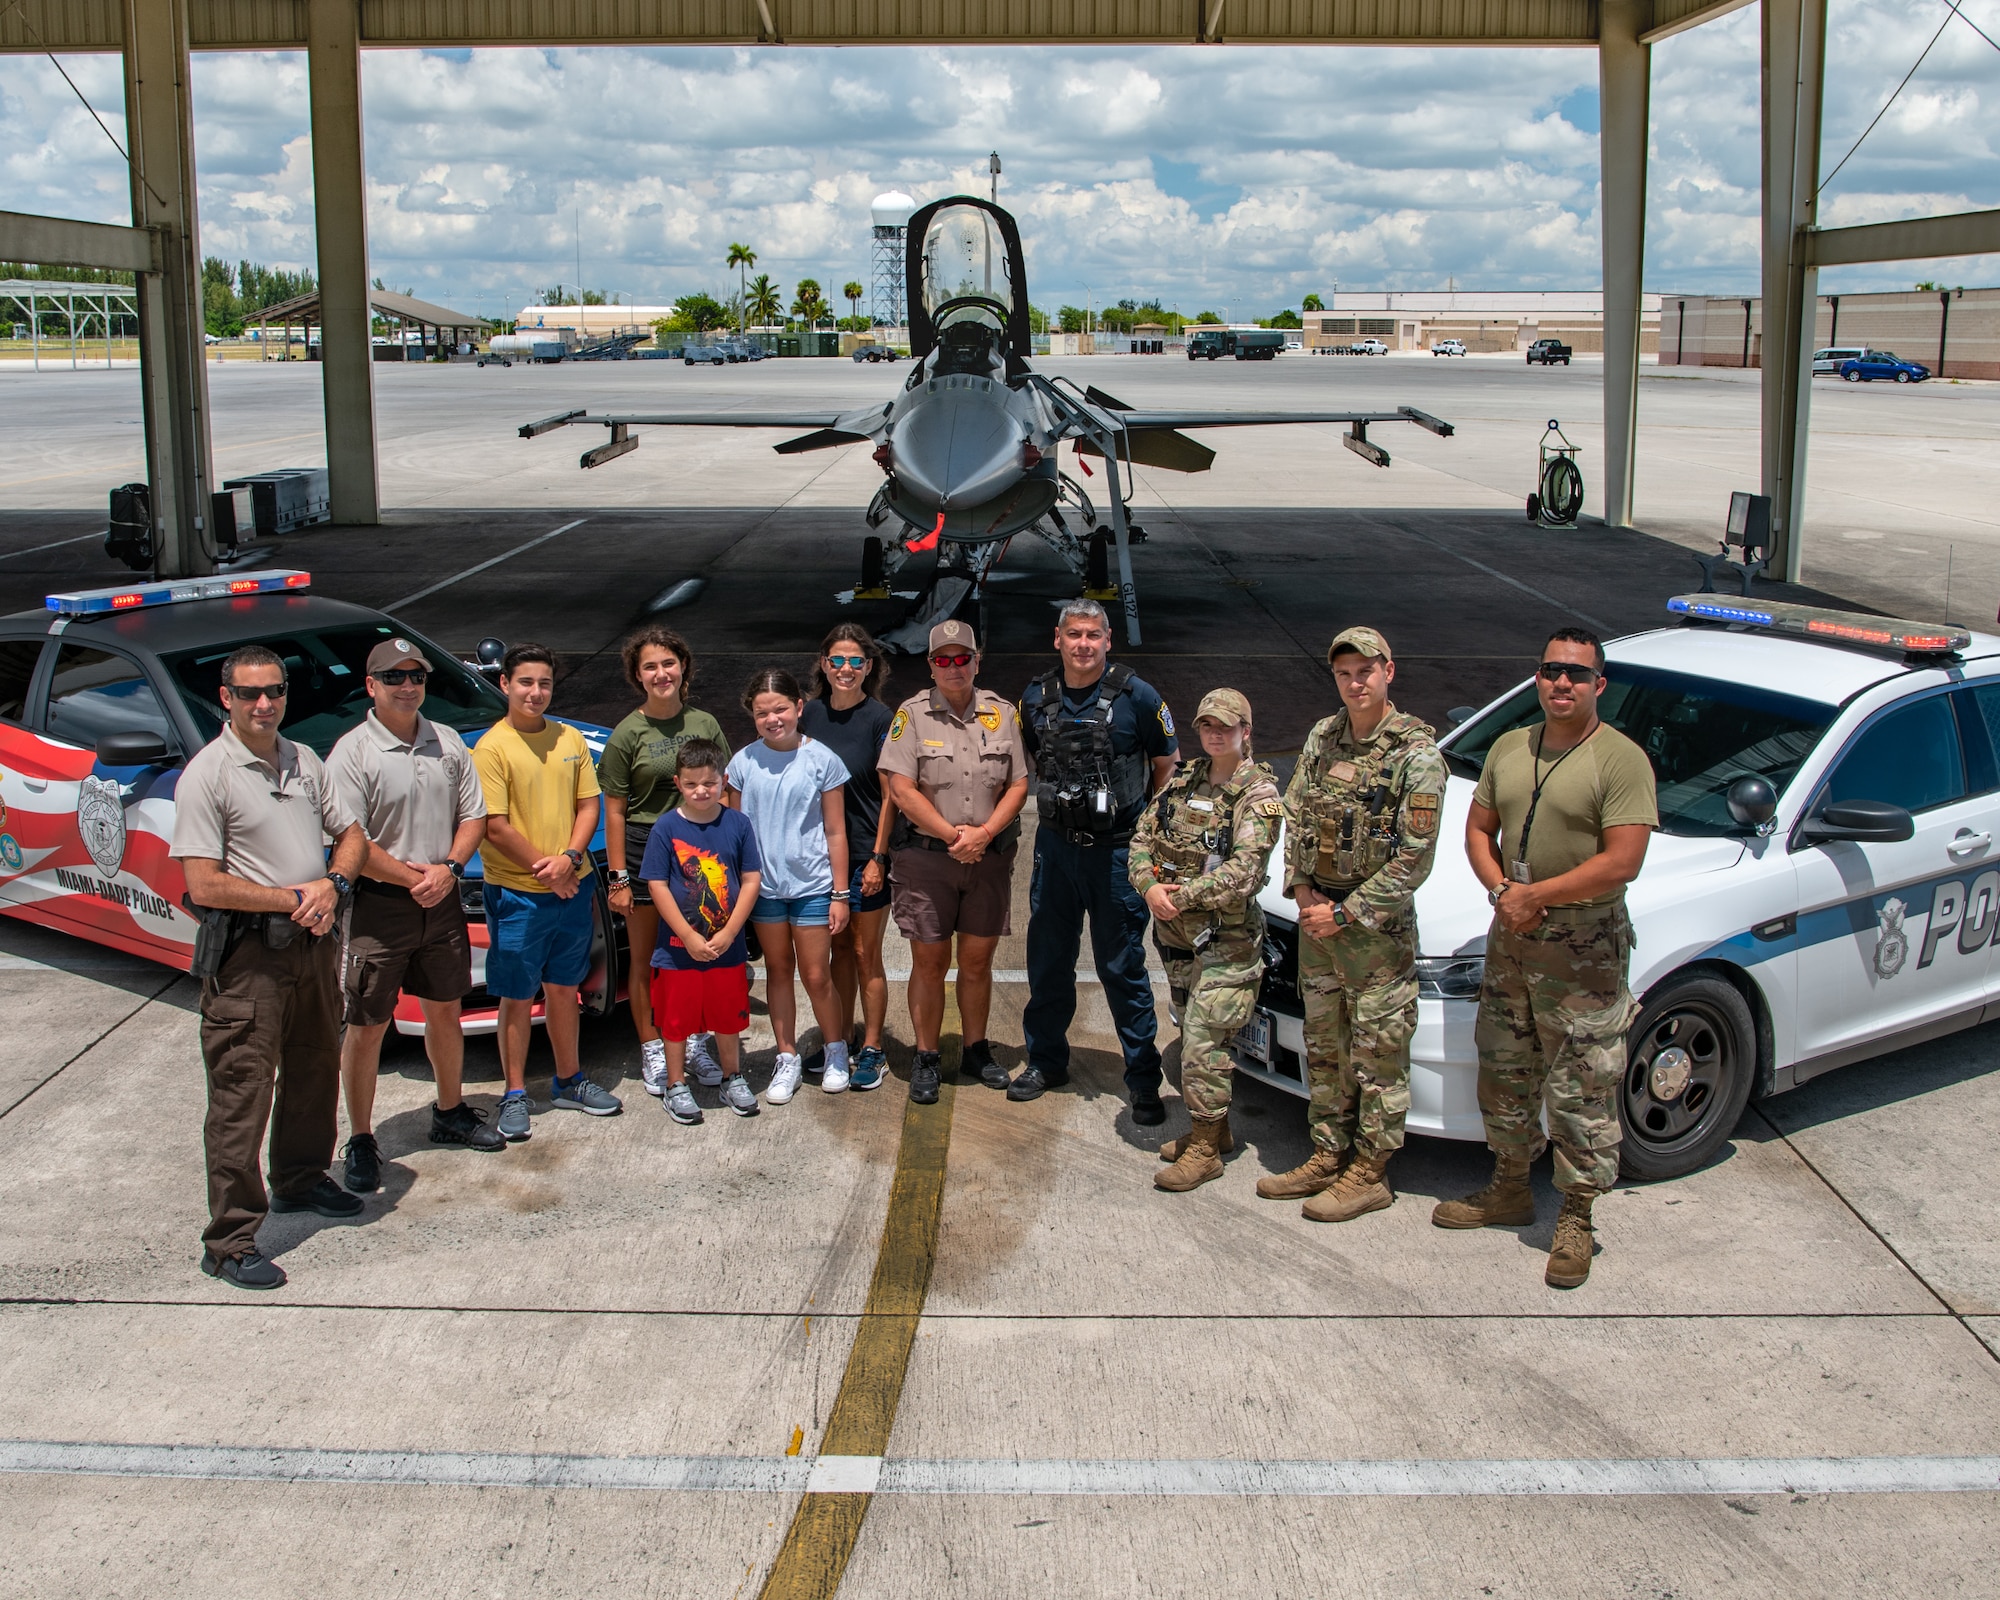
x=1450, y=977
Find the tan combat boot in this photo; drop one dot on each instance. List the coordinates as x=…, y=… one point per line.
x=1171, y=1150
x=1200, y=1158
x=1569, y=1256
x=1318, y=1173
x=1360, y=1188
x=1505, y=1202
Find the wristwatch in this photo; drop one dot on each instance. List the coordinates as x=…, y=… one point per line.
x=879, y=857
x=341, y=886
x=1340, y=917
x=457, y=868
x=575, y=859
x=1493, y=894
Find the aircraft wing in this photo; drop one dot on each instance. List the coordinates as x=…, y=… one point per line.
x=1157, y=439
x=1148, y=421
x=826, y=428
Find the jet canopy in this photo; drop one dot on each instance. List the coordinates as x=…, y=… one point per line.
x=965, y=268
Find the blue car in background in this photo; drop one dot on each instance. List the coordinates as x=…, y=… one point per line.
x=1873, y=364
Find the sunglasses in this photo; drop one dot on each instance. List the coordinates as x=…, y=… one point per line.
x=852, y=663
x=962, y=659
x=401, y=675
x=251, y=693
x=1550, y=671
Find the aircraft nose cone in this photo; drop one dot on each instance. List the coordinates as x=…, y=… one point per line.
x=958, y=448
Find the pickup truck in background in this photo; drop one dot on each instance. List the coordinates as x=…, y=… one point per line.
x=1548, y=352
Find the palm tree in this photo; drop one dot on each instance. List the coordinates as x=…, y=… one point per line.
x=807, y=302
x=764, y=302
x=852, y=292
x=742, y=258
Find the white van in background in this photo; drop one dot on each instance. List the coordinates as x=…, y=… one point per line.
x=1828, y=361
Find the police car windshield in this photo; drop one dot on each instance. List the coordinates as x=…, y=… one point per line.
x=1701, y=736
x=324, y=669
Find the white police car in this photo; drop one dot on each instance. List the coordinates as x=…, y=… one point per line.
x=105, y=693
x=1824, y=885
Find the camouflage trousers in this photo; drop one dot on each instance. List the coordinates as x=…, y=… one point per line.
x=1360, y=992
x=1551, y=1036
x=1215, y=993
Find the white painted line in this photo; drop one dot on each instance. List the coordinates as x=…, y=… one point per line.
x=53, y=544
x=844, y=1475
x=27, y=964
x=1658, y=1475
x=424, y=594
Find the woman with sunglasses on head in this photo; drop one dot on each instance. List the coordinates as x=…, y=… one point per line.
x=847, y=715
x=637, y=777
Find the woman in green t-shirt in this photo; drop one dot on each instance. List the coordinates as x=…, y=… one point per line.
x=637, y=777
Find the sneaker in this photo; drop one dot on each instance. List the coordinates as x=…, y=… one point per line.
x=924, y=1078
x=837, y=1076
x=679, y=1101
x=326, y=1197
x=466, y=1125
x=580, y=1094
x=1148, y=1111
x=784, y=1080
x=871, y=1066
x=513, y=1122
x=1031, y=1083
x=978, y=1062
x=739, y=1096
x=702, y=1063
x=247, y=1271
x=364, y=1164
x=815, y=1064
x=653, y=1066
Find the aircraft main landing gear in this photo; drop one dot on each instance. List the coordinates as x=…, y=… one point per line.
x=874, y=584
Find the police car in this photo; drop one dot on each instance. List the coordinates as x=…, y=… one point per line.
x=1824, y=885
x=106, y=693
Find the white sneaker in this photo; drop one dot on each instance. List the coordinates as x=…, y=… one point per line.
x=784, y=1080
x=701, y=1062
x=653, y=1066
x=834, y=1079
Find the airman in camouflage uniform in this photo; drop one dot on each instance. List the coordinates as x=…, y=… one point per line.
x=1205, y=845
x=1361, y=822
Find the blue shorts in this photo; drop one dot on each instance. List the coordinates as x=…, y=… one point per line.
x=536, y=939
x=857, y=901
x=801, y=911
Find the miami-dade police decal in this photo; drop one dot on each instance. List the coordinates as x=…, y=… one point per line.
x=1892, y=945
x=100, y=818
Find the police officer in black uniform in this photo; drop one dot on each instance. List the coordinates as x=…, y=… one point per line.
x=1102, y=741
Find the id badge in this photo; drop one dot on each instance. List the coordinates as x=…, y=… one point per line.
x=1521, y=872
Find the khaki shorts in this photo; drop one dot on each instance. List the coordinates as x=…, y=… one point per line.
x=395, y=946
x=936, y=897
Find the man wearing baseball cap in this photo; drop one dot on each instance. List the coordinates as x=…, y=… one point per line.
x=1361, y=824
x=956, y=768
x=412, y=785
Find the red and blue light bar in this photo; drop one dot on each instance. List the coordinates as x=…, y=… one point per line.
x=172, y=591
x=1818, y=622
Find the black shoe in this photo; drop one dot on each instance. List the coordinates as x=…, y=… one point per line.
x=814, y=1065
x=247, y=1271
x=978, y=1062
x=463, y=1124
x=326, y=1197
x=1033, y=1082
x=924, y=1077
x=364, y=1164
x=1147, y=1111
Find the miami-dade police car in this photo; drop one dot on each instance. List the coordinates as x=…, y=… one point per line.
x=1824, y=884
x=107, y=692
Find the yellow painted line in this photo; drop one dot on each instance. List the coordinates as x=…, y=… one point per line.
x=813, y=1558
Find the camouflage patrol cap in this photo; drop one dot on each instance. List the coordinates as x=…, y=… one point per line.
x=954, y=635
x=1225, y=706
x=1364, y=640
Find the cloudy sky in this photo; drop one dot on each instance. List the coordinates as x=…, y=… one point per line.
x=1231, y=179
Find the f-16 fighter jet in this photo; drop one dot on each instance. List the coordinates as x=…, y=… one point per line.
x=969, y=445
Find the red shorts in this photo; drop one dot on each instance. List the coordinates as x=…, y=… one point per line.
x=701, y=1000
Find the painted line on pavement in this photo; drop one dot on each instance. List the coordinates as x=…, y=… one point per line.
x=507, y=555
x=53, y=544
x=837, y=1487
x=1495, y=572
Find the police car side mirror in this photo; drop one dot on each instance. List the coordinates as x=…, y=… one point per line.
x=1752, y=801
x=134, y=747
x=491, y=651
x=1861, y=822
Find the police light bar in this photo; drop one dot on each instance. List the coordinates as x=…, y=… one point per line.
x=94, y=602
x=1815, y=622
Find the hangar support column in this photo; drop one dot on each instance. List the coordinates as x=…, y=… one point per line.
x=1624, y=85
x=1794, y=50
x=159, y=127
x=340, y=211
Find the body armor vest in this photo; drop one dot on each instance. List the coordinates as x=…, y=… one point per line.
x=1082, y=785
x=1355, y=812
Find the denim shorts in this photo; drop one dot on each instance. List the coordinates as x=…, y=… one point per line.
x=801, y=911
x=535, y=939
x=858, y=900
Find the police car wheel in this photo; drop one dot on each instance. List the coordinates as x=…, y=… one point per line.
x=1691, y=1060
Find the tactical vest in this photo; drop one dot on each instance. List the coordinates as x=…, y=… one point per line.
x=1355, y=813
x=1082, y=785
x=1188, y=844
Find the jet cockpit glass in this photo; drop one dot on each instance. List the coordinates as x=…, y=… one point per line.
x=965, y=258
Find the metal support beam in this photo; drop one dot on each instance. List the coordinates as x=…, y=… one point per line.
x=1964, y=233
x=340, y=216
x=1624, y=79
x=1794, y=73
x=57, y=241
x=173, y=352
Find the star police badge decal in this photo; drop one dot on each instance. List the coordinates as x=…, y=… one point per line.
x=1892, y=945
x=100, y=818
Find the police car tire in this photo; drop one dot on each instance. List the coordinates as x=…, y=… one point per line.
x=1707, y=1016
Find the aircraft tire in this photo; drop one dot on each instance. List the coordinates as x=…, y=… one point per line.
x=1097, y=562
x=873, y=575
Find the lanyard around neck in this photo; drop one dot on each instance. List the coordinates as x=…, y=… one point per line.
x=1541, y=783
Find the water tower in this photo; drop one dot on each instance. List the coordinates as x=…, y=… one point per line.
x=888, y=301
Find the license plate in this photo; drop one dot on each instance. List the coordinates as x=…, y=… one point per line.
x=1254, y=1037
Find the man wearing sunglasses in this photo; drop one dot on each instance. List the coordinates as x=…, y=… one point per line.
x=252, y=814
x=413, y=787
x=1558, y=827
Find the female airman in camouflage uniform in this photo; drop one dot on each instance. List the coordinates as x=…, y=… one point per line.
x=1198, y=855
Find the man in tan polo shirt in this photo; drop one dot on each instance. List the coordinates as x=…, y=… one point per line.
x=252, y=814
x=957, y=770
x=411, y=785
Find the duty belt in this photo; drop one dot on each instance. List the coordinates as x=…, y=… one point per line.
x=393, y=891
x=1086, y=838
x=1005, y=839
x=1337, y=893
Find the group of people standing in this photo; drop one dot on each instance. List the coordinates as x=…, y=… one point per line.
x=843, y=813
